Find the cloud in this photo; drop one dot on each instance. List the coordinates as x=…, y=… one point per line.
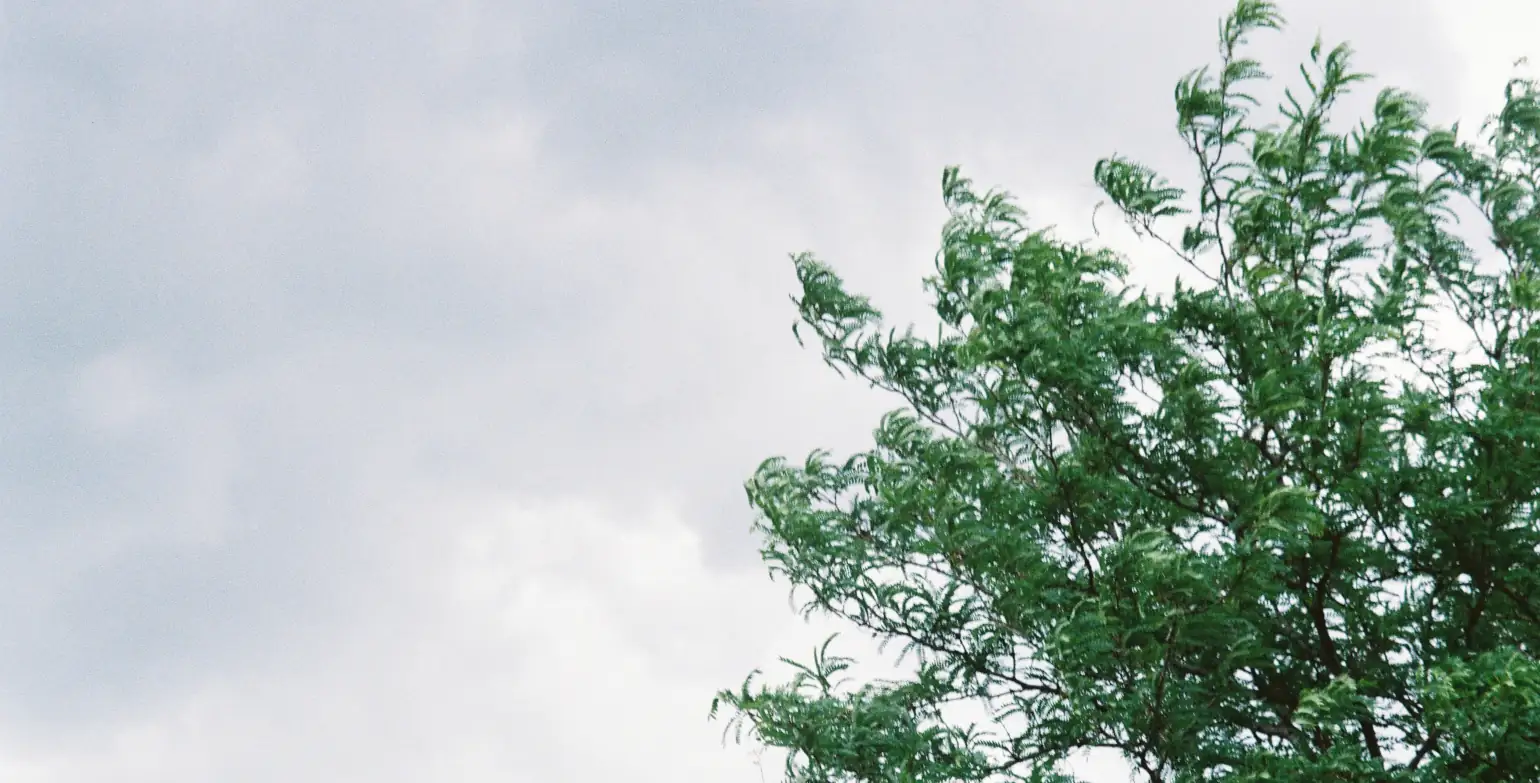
x=558, y=640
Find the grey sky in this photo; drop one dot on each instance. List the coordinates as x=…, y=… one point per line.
x=377, y=380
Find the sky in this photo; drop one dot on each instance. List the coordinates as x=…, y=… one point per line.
x=378, y=379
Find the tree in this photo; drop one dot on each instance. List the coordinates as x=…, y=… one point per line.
x=1274, y=526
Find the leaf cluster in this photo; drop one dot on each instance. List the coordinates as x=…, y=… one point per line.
x=1273, y=527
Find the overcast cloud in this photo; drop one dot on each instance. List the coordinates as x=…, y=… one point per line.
x=378, y=379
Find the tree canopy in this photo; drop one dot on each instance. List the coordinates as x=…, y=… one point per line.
x=1278, y=525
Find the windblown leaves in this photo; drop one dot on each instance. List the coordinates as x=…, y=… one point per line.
x=1218, y=532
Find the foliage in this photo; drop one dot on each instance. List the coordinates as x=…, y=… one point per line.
x=1270, y=528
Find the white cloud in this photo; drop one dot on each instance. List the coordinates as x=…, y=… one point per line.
x=565, y=640
x=1491, y=36
x=116, y=392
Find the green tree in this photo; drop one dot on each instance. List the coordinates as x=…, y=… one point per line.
x=1274, y=526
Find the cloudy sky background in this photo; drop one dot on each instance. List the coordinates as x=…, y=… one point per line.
x=378, y=379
